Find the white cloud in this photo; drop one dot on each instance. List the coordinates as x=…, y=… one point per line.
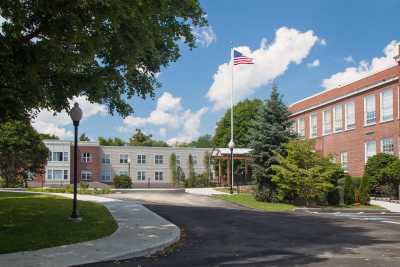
x=364, y=68
x=170, y=114
x=350, y=60
x=205, y=35
x=322, y=42
x=48, y=122
x=313, y=64
x=271, y=60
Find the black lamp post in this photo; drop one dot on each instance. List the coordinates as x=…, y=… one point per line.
x=231, y=146
x=76, y=116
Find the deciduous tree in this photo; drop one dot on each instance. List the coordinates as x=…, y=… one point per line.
x=109, y=51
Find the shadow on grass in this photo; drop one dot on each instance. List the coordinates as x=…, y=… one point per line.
x=241, y=237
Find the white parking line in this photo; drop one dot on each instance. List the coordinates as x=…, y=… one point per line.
x=391, y=222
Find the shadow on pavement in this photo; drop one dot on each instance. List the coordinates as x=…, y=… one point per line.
x=241, y=237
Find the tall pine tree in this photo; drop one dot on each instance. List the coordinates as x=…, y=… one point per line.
x=269, y=133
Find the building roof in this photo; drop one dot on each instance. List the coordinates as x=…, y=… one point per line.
x=328, y=96
x=236, y=151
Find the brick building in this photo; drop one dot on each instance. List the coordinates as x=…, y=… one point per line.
x=147, y=166
x=355, y=121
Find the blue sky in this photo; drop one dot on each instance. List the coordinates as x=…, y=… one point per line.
x=348, y=39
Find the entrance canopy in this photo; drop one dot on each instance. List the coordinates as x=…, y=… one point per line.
x=238, y=153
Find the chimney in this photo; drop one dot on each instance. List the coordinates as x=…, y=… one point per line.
x=397, y=58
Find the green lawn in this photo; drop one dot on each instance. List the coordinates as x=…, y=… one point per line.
x=34, y=221
x=249, y=201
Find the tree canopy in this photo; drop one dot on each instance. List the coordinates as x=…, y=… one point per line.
x=109, y=51
x=22, y=152
x=111, y=141
x=84, y=138
x=244, y=115
x=141, y=139
x=44, y=136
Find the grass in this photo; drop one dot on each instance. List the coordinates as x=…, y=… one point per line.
x=34, y=221
x=249, y=201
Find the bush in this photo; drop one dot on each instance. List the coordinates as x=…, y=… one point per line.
x=348, y=191
x=2, y=182
x=265, y=194
x=364, y=191
x=200, y=180
x=333, y=196
x=83, y=185
x=373, y=169
x=122, y=181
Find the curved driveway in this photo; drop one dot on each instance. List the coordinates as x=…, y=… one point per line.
x=216, y=233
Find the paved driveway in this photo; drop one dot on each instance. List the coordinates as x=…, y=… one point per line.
x=221, y=234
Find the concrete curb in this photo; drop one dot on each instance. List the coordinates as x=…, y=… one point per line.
x=148, y=190
x=342, y=210
x=140, y=232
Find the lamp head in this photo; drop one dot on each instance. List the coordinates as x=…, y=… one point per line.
x=76, y=113
x=231, y=145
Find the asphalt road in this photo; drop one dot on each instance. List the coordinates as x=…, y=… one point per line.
x=221, y=234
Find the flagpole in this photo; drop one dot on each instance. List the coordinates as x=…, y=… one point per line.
x=231, y=143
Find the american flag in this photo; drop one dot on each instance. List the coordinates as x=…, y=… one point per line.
x=239, y=58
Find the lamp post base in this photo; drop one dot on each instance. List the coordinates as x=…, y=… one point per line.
x=75, y=219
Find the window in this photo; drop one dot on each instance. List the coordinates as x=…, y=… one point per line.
x=338, y=118
x=141, y=159
x=386, y=100
x=106, y=159
x=86, y=175
x=53, y=174
x=141, y=176
x=58, y=156
x=158, y=176
x=293, y=127
x=124, y=173
x=158, y=159
x=313, y=125
x=370, y=150
x=300, y=127
x=344, y=161
x=178, y=160
x=123, y=158
x=350, y=116
x=369, y=110
x=106, y=174
x=86, y=157
x=387, y=146
x=327, y=119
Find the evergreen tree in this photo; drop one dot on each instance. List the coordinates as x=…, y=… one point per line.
x=269, y=133
x=348, y=191
x=84, y=138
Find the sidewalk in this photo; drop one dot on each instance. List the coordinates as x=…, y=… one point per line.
x=140, y=232
x=393, y=207
x=206, y=191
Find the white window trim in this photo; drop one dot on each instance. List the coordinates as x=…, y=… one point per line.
x=86, y=172
x=334, y=118
x=310, y=125
x=120, y=158
x=365, y=111
x=298, y=127
x=142, y=156
x=365, y=150
x=381, y=143
x=380, y=106
x=347, y=161
x=323, y=122
x=345, y=116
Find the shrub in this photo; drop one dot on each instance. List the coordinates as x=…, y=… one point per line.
x=364, y=191
x=348, y=191
x=373, y=169
x=333, y=196
x=2, y=182
x=83, y=185
x=122, y=181
x=200, y=180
